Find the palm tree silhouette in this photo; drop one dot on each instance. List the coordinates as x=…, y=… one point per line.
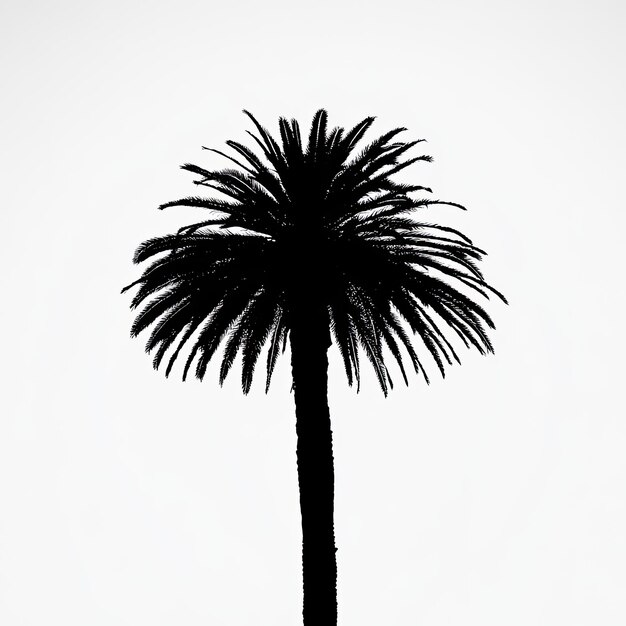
x=312, y=244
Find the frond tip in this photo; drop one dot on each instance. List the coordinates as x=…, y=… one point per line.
x=311, y=211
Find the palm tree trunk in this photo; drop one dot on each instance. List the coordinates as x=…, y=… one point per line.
x=310, y=339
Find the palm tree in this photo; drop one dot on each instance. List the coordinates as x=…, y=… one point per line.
x=312, y=244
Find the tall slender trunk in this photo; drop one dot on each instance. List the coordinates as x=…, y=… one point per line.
x=310, y=339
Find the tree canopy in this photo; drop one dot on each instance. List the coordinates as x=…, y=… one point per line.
x=312, y=223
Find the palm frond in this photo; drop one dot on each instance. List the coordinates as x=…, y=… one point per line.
x=268, y=145
x=279, y=335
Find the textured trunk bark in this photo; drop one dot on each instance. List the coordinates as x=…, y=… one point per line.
x=310, y=339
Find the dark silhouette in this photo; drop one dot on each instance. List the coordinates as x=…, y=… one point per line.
x=311, y=247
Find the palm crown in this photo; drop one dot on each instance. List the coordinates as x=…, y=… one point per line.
x=311, y=222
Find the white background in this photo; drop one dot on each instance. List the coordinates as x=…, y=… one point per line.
x=497, y=496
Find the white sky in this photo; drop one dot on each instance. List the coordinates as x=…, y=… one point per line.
x=494, y=497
